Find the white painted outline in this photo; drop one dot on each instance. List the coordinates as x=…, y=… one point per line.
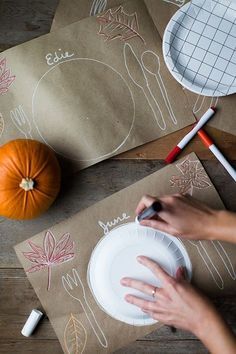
x=21, y=121
x=97, y=7
x=209, y=263
x=213, y=103
x=86, y=336
x=132, y=99
x=160, y=83
x=177, y=3
x=70, y=283
x=225, y=258
x=147, y=93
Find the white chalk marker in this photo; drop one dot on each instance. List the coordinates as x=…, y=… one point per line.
x=31, y=322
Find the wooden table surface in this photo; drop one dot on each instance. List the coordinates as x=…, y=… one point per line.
x=21, y=21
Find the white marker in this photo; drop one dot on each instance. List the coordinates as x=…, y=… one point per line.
x=218, y=154
x=179, y=147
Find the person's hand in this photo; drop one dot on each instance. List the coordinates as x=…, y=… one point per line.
x=176, y=303
x=181, y=216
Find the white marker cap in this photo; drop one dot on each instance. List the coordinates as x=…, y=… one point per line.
x=31, y=322
x=136, y=220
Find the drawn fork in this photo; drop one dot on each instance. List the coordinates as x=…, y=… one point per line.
x=73, y=285
x=21, y=121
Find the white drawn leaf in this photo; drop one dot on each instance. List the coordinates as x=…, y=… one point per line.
x=118, y=24
x=75, y=336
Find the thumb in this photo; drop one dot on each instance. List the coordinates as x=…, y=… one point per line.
x=181, y=274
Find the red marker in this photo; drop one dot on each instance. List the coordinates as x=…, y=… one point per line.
x=218, y=154
x=179, y=147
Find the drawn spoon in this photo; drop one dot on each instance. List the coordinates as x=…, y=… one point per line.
x=138, y=76
x=151, y=63
x=209, y=263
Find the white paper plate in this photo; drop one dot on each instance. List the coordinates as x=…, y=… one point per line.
x=199, y=47
x=114, y=257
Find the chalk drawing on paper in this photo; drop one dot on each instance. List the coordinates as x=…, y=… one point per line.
x=57, y=56
x=200, y=100
x=138, y=76
x=97, y=7
x=51, y=254
x=151, y=64
x=118, y=24
x=6, y=79
x=75, y=336
x=210, y=264
x=2, y=125
x=225, y=258
x=128, y=110
x=74, y=287
x=107, y=226
x=178, y=3
x=192, y=176
x=21, y=121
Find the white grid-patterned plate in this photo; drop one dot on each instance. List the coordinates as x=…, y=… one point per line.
x=199, y=47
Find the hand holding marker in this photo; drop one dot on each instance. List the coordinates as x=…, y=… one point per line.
x=149, y=212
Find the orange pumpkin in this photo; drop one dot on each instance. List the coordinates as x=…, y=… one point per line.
x=30, y=179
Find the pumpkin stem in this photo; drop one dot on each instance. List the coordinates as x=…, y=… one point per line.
x=27, y=184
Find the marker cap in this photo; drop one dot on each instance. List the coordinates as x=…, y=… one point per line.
x=31, y=322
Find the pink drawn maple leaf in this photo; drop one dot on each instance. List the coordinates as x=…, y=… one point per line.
x=193, y=176
x=5, y=77
x=51, y=254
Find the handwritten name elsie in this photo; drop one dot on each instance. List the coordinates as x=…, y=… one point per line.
x=110, y=224
x=56, y=57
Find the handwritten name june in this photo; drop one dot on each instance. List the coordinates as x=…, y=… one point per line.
x=110, y=224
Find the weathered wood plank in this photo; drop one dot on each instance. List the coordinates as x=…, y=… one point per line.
x=88, y=187
x=23, y=20
x=18, y=298
x=160, y=148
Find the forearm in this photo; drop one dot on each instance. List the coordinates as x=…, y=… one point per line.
x=217, y=336
x=222, y=227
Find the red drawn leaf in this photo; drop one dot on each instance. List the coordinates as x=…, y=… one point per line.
x=33, y=257
x=62, y=243
x=36, y=268
x=51, y=254
x=2, y=66
x=37, y=249
x=118, y=24
x=193, y=175
x=49, y=245
x=64, y=258
x=5, y=77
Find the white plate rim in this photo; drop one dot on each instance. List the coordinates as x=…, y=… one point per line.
x=123, y=318
x=184, y=83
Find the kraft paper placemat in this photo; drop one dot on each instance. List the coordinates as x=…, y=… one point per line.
x=70, y=243
x=161, y=11
x=87, y=90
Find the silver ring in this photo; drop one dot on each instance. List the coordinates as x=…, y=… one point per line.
x=154, y=292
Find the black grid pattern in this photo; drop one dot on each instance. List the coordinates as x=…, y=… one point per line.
x=202, y=46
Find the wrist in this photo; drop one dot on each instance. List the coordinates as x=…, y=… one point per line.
x=221, y=226
x=208, y=323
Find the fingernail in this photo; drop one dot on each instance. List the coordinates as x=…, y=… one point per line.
x=123, y=281
x=127, y=298
x=140, y=259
